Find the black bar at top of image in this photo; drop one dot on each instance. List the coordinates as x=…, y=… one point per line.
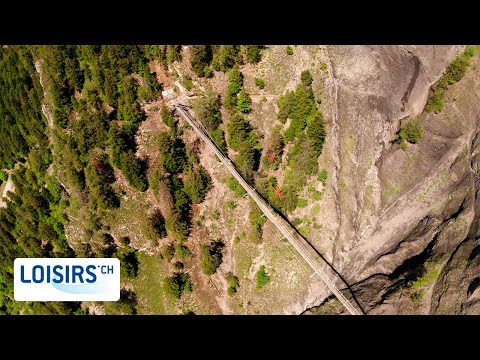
x=240, y=23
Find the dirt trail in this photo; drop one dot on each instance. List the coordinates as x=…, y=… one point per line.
x=45, y=109
x=8, y=187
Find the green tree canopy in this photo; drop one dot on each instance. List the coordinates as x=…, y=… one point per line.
x=235, y=80
x=200, y=57
x=244, y=102
x=211, y=256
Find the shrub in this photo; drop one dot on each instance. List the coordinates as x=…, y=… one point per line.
x=454, y=73
x=260, y=83
x=302, y=202
x=317, y=195
x=168, y=251
x=233, y=283
x=262, y=277
x=80, y=312
x=273, y=156
x=182, y=252
x=125, y=306
x=322, y=176
x=324, y=67
x=177, y=284
x=125, y=240
x=411, y=131
x=306, y=78
x=188, y=83
x=235, y=81
x=254, y=53
x=157, y=222
x=296, y=221
x=435, y=103
x=211, y=256
x=3, y=175
x=207, y=72
x=128, y=263
x=197, y=183
x=289, y=50
x=108, y=247
x=285, y=103
x=207, y=111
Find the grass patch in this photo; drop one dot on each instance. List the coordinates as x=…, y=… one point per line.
x=426, y=279
x=316, y=195
x=148, y=286
x=262, y=277
x=304, y=230
x=234, y=185
x=133, y=211
x=236, y=240
x=324, y=68
x=302, y=202
x=322, y=176
x=421, y=197
x=316, y=210
x=244, y=255
x=257, y=220
x=441, y=179
x=296, y=221
x=188, y=83
x=392, y=189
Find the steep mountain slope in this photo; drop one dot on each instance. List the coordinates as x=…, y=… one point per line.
x=370, y=152
x=390, y=216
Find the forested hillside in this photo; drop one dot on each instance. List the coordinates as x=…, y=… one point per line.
x=32, y=224
x=101, y=167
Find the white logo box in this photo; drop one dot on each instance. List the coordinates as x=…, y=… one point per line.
x=66, y=279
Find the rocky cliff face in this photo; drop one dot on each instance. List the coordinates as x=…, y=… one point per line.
x=406, y=224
